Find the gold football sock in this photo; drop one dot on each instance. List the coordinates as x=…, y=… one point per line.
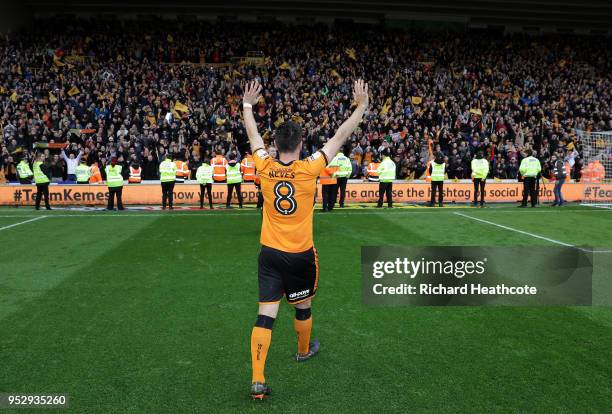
x=260, y=343
x=303, y=330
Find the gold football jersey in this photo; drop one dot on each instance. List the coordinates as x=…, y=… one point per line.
x=289, y=191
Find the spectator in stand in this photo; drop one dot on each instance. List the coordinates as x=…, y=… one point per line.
x=512, y=169
x=9, y=169
x=499, y=172
x=71, y=163
x=58, y=168
x=150, y=168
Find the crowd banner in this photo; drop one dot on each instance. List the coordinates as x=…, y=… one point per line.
x=150, y=193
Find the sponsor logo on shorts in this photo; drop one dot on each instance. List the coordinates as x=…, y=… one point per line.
x=299, y=295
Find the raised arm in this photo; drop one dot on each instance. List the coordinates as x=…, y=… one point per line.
x=251, y=96
x=360, y=95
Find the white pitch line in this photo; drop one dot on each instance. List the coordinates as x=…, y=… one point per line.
x=526, y=233
x=10, y=226
x=346, y=213
x=603, y=207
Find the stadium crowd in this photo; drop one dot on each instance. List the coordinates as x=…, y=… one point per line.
x=140, y=89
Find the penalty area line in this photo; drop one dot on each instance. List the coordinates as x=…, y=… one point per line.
x=10, y=226
x=526, y=233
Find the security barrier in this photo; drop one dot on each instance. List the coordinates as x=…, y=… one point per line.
x=150, y=193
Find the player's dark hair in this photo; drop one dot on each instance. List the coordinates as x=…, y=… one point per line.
x=288, y=136
x=529, y=153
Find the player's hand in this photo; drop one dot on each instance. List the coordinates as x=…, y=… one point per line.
x=360, y=92
x=252, y=92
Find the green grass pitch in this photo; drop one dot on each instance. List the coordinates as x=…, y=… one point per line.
x=151, y=313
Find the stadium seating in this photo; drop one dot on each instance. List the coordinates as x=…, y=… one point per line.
x=136, y=90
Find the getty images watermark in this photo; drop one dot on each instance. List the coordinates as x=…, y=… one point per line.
x=510, y=276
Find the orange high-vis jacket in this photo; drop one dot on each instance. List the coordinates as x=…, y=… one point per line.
x=372, y=171
x=135, y=175
x=247, y=166
x=179, y=168
x=182, y=170
x=326, y=177
x=586, y=175
x=218, y=163
x=599, y=172
x=96, y=175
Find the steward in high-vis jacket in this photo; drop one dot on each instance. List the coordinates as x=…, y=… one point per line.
x=372, y=171
x=234, y=180
x=204, y=177
x=95, y=176
x=24, y=172
x=82, y=172
x=114, y=181
x=328, y=186
x=248, y=168
x=167, y=177
x=42, y=177
x=530, y=170
x=135, y=173
x=182, y=169
x=560, y=176
x=386, y=174
x=480, y=171
x=219, y=164
x=342, y=175
x=437, y=170
x=259, y=193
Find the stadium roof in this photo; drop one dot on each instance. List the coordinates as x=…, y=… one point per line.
x=560, y=13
